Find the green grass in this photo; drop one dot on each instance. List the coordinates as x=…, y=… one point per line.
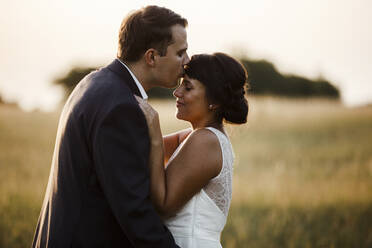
x=302, y=175
x=26, y=145
x=335, y=225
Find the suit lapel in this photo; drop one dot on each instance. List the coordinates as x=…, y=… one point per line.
x=124, y=74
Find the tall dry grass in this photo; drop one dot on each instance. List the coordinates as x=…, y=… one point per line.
x=302, y=176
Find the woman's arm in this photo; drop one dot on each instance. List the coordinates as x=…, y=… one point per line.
x=172, y=141
x=198, y=161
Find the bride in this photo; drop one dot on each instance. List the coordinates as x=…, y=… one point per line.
x=193, y=192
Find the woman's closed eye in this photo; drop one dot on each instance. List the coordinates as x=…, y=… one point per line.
x=187, y=85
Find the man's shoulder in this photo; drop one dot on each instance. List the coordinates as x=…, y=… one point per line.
x=105, y=78
x=105, y=85
x=100, y=92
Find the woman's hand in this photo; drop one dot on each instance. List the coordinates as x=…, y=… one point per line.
x=156, y=156
x=152, y=118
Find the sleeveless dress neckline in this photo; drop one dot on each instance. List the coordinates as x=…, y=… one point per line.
x=200, y=222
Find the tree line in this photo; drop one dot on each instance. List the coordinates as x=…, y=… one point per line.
x=263, y=78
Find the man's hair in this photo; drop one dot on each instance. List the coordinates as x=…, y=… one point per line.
x=149, y=27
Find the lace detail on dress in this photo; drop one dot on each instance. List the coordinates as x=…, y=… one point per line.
x=219, y=189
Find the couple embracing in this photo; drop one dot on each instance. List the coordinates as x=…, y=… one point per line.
x=115, y=180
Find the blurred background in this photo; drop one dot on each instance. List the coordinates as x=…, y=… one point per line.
x=303, y=170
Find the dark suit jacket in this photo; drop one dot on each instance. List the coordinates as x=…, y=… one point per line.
x=98, y=189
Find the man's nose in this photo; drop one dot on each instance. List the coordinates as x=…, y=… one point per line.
x=187, y=59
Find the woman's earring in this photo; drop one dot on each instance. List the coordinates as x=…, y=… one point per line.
x=210, y=106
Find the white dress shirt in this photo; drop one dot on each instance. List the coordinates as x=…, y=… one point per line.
x=139, y=85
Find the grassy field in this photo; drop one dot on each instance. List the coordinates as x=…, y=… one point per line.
x=302, y=177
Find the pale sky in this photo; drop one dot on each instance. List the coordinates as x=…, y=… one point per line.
x=42, y=39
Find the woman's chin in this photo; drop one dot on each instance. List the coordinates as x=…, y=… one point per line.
x=179, y=116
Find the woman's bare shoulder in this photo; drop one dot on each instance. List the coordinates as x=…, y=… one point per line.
x=203, y=136
x=204, y=144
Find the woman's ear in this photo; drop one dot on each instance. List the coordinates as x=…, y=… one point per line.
x=213, y=107
x=150, y=56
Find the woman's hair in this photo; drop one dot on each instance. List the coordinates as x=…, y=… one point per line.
x=149, y=27
x=225, y=80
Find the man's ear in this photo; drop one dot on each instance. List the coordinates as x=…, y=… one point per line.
x=150, y=56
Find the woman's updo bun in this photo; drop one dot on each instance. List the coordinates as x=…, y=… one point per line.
x=225, y=81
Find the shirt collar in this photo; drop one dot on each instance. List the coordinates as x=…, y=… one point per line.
x=139, y=85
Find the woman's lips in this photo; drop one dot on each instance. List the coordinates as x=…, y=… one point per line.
x=179, y=104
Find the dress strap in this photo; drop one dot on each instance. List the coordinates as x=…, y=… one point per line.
x=218, y=133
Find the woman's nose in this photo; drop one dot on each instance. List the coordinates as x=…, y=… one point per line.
x=177, y=92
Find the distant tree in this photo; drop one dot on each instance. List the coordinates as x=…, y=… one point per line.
x=73, y=77
x=263, y=77
x=263, y=71
x=8, y=102
x=160, y=93
x=324, y=88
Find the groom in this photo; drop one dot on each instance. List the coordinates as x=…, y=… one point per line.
x=98, y=189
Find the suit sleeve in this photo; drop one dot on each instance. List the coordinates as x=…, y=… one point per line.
x=121, y=151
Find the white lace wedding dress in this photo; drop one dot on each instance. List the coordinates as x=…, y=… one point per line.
x=200, y=222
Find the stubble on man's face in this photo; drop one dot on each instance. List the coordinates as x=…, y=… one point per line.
x=171, y=65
